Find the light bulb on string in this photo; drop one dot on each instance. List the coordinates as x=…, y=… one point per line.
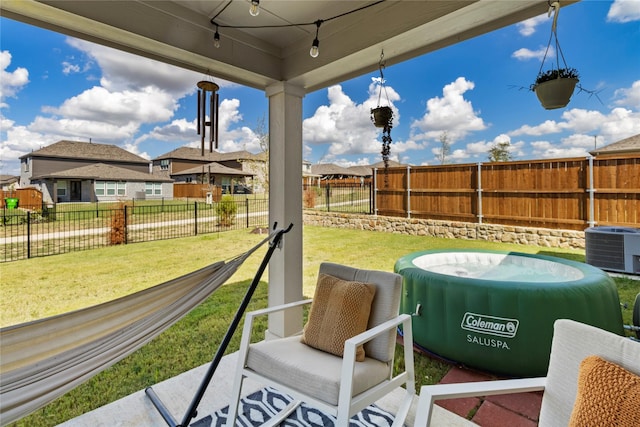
x=315, y=46
x=254, y=9
x=315, y=51
x=216, y=38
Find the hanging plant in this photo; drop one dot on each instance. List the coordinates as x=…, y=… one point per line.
x=554, y=86
x=382, y=117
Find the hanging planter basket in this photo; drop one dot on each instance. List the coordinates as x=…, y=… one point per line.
x=555, y=86
x=381, y=116
x=555, y=93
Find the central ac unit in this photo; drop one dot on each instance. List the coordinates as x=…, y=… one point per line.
x=613, y=248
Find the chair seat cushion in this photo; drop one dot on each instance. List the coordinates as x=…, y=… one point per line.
x=309, y=370
x=340, y=310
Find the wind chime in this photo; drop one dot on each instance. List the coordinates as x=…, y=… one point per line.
x=208, y=95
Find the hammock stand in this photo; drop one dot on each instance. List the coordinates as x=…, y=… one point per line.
x=192, y=411
x=43, y=359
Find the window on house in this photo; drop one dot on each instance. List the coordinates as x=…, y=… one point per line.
x=164, y=164
x=61, y=188
x=99, y=188
x=153, y=188
x=110, y=188
x=26, y=165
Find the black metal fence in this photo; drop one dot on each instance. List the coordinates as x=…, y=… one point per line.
x=66, y=228
x=338, y=197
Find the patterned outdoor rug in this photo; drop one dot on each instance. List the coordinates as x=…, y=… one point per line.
x=260, y=406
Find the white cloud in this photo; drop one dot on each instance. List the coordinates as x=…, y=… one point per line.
x=628, y=97
x=145, y=105
x=624, y=11
x=452, y=114
x=344, y=126
x=69, y=68
x=547, y=150
x=547, y=127
x=10, y=82
x=525, y=54
x=230, y=138
x=529, y=26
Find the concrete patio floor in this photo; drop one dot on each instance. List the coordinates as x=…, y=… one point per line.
x=177, y=393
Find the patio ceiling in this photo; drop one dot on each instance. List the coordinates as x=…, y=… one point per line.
x=179, y=32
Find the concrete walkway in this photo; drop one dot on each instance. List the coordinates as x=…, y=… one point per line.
x=177, y=393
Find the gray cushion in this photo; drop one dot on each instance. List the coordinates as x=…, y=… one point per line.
x=385, y=304
x=287, y=360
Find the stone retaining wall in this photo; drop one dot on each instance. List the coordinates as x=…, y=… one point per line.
x=449, y=229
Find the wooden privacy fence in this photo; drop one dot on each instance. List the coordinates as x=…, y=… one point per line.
x=570, y=193
x=196, y=191
x=29, y=198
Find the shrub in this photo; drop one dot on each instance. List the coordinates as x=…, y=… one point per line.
x=309, y=198
x=226, y=210
x=118, y=232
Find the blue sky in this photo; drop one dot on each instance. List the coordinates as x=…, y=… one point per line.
x=54, y=87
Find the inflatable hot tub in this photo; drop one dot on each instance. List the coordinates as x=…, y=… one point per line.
x=495, y=311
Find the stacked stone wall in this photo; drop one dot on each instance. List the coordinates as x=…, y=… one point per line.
x=449, y=229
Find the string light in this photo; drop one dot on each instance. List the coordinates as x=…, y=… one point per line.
x=315, y=51
x=216, y=39
x=254, y=9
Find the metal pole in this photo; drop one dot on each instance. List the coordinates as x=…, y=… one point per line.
x=479, y=193
x=408, y=191
x=375, y=191
x=591, y=190
x=28, y=234
x=195, y=217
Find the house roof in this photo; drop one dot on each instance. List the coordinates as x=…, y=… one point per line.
x=392, y=164
x=101, y=171
x=627, y=145
x=87, y=151
x=363, y=170
x=213, y=168
x=190, y=153
x=333, y=169
x=8, y=179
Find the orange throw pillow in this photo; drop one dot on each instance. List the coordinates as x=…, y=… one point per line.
x=339, y=311
x=608, y=395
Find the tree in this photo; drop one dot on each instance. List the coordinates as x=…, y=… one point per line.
x=445, y=147
x=499, y=152
x=262, y=134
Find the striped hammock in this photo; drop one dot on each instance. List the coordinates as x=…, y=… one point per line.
x=43, y=359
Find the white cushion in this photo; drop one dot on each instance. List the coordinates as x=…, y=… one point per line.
x=311, y=371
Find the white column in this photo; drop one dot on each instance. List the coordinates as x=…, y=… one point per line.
x=285, y=203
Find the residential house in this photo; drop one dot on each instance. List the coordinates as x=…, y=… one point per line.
x=188, y=164
x=215, y=174
x=9, y=182
x=362, y=173
x=74, y=171
x=625, y=146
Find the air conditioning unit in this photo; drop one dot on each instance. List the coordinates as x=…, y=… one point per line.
x=613, y=248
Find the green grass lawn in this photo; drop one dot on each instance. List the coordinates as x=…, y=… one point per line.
x=41, y=287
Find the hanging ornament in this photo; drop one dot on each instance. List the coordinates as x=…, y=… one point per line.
x=208, y=96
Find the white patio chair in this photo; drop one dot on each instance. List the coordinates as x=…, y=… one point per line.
x=340, y=386
x=572, y=343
